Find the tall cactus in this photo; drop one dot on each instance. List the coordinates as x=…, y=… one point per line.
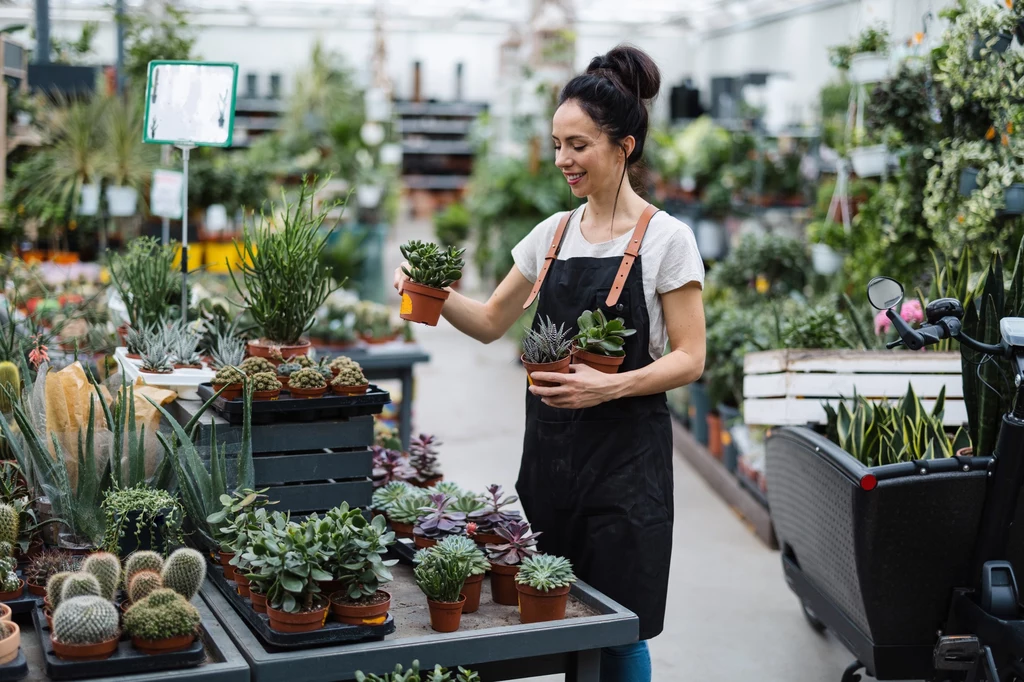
x=85, y=620
x=8, y=524
x=184, y=572
x=107, y=569
x=142, y=560
x=80, y=584
x=10, y=385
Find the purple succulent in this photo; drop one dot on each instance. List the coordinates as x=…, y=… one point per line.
x=437, y=521
x=520, y=542
x=423, y=457
x=492, y=516
x=390, y=465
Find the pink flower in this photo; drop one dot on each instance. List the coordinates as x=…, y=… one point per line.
x=912, y=312
x=471, y=529
x=882, y=323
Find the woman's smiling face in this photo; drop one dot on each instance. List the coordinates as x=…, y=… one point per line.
x=587, y=158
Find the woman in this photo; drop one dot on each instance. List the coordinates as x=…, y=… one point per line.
x=596, y=474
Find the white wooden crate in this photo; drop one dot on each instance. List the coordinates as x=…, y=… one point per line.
x=786, y=387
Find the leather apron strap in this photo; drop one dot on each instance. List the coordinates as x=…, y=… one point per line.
x=631, y=254
x=556, y=244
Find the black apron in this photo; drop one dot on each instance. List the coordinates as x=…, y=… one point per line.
x=598, y=481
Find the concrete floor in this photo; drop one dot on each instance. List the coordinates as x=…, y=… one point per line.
x=730, y=615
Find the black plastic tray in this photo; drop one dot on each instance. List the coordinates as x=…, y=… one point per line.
x=331, y=633
x=16, y=669
x=286, y=408
x=403, y=551
x=26, y=602
x=125, y=661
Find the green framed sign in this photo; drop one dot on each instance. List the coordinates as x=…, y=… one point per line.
x=191, y=103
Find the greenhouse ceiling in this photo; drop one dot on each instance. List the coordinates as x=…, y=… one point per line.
x=694, y=15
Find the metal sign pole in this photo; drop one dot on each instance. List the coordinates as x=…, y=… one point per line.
x=185, y=149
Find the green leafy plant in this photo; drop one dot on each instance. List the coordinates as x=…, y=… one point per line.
x=141, y=509
x=307, y=378
x=874, y=38
x=545, y=572
x=162, y=615
x=355, y=551
x=768, y=265
x=146, y=280
x=287, y=561
x=238, y=518
x=545, y=342
x=820, y=326
x=600, y=335
x=442, y=578
x=430, y=266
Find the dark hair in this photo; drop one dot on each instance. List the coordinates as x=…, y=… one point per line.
x=615, y=91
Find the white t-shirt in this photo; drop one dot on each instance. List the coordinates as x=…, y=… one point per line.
x=668, y=257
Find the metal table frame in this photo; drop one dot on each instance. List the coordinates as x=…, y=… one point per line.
x=569, y=646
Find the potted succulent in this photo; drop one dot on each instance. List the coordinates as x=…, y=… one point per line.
x=404, y=513
x=449, y=488
x=423, y=458
x=430, y=271
x=231, y=380
x=184, y=347
x=10, y=641
x=543, y=584
x=388, y=495
x=265, y=385
x=44, y=565
x=391, y=465
x=162, y=622
x=141, y=517
x=85, y=628
x=438, y=674
x=546, y=348
x=518, y=542
x=11, y=586
x=469, y=503
x=442, y=579
x=285, y=371
x=492, y=516
x=341, y=362
x=233, y=523
x=350, y=381
x=254, y=365
x=437, y=520
x=227, y=351
x=307, y=383
x=284, y=280
x=156, y=358
x=362, y=571
x=462, y=548
x=600, y=340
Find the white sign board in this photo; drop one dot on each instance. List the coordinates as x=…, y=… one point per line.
x=190, y=103
x=165, y=198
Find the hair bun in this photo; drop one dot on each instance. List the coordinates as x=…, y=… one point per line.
x=630, y=68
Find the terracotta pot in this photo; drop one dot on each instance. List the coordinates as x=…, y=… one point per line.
x=163, y=646
x=423, y=542
x=264, y=348
x=9, y=644
x=259, y=602
x=306, y=621
x=5, y=611
x=307, y=392
x=36, y=590
x=242, y=584
x=225, y=561
x=402, y=530
x=488, y=539
x=536, y=606
x=233, y=392
x=266, y=395
x=446, y=616
x=283, y=381
x=350, y=390
x=13, y=594
x=715, y=435
x=86, y=652
x=560, y=367
x=371, y=614
x=49, y=618
x=602, y=363
x=471, y=589
x=503, y=584
x=422, y=304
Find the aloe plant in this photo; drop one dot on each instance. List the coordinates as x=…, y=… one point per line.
x=546, y=342
x=602, y=336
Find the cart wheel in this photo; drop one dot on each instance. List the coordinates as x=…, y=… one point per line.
x=812, y=619
x=850, y=674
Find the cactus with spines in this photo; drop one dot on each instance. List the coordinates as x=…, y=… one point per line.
x=80, y=584
x=228, y=375
x=55, y=587
x=142, y=560
x=6, y=549
x=10, y=385
x=349, y=376
x=264, y=381
x=85, y=620
x=161, y=615
x=343, y=361
x=184, y=572
x=107, y=569
x=9, y=580
x=8, y=524
x=307, y=378
x=142, y=584
x=255, y=365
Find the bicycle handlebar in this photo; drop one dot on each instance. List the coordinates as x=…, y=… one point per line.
x=929, y=334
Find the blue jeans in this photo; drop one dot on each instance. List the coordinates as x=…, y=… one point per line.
x=627, y=663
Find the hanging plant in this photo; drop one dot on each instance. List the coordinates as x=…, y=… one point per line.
x=141, y=517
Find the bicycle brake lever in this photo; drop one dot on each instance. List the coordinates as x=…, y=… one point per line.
x=894, y=344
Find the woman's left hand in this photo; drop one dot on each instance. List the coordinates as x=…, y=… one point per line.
x=584, y=387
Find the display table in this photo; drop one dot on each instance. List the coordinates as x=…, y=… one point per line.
x=490, y=641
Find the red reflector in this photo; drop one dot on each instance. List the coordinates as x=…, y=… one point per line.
x=868, y=482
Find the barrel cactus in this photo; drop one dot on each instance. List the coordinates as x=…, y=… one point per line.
x=228, y=375
x=55, y=587
x=307, y=378
x=107, y=569
x=80, y=584
x=10, y=385
x=161, y=615
x=85, y=620
x=255, y=365
x=6, y=549
x=184, y=572
x=9, y=580
x=264, y=381
x=8, y=524
x=349, y=376
x=142, y=560
x=143, y=584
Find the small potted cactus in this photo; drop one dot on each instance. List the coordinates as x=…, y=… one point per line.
x=106, y=568
x=543, y=584
x=350, y=381
x=493, y=515
x=10, y=641
x=441, y=579
x=437, y=520
x=519, y=542
x=162, y=622
x=600, y=340
x=254, y=365
x=303, y=361
x=231, y=379
x=430, y=271
x=307, y=383
x=265, y=385
x=546, y=348
x=44, y=565
x=285, y=370
x=11, y=586
x=341, y=362
x=462, y=548
x=54, y=590
x=141, y=585
x=423, y=458
x=184, y=572
x=142, y=560
x=85, y=629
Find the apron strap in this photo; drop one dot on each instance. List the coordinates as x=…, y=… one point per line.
x=631, y=254
x=556, y=244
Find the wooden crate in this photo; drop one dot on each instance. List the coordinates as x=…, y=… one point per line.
x=789, y=387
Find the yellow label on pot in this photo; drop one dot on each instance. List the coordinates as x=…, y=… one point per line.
x=406, y=305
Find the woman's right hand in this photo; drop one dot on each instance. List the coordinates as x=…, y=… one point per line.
x=400, y=277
